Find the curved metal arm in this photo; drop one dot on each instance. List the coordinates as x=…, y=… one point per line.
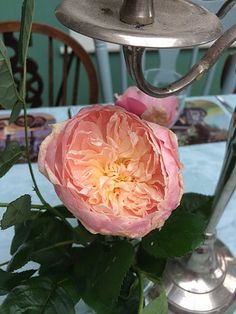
x=226, y=7
x=133, y=57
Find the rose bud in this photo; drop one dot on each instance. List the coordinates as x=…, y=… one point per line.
x=158, y=110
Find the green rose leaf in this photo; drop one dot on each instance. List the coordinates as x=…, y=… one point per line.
x=197, y=204
x=15, y=111
x=59, y=265
x=71, y=288
x=129, y=305
x=22, y=232
x=21, y=257
x=9, y=156
x=129, y=283
x=17, y=212
x=25, y=32
x=158, y=305
x=150, y=265
x=64, y=211
x=100, y=270
x=38, y=295
x=82, y=235
x=181, y=234
x=47, y=242
x=10, y=280
x=128, y=301
x=8, y=91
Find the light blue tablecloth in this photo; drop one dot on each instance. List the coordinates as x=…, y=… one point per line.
x=202, y=165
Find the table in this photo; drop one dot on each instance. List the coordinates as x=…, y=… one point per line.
x=202, y=165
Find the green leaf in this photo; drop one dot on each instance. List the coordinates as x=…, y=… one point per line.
x=158, y=305
x=127, y=304
x=100, y=270
x=22, y=232
x=41, y=243
x=71, y=288
x=151, y=266
x=9, y=156
x=48, y=231
x=17, y=212
x=128, y=301
x=64, y=211
x=21, y=257
x=60, y=265
x=129, y=282
x=25, y=31
x=181, y=234
x=38, y=295
x=8, y=91
x=15, y=111
x=10, y=280
x=197, y=204
x=83, y=236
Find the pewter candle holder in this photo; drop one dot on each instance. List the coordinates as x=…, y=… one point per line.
x=205, y=282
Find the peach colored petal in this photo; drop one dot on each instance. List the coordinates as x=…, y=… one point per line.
x=116, y=173
x=50, y=140
x=107, y=224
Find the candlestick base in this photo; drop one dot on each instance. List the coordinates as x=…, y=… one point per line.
x=205, y=282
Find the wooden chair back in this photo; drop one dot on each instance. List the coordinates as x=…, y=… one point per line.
x=64, y=92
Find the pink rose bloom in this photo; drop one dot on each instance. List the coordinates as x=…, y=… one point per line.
x=118, y=174
x=158, y=110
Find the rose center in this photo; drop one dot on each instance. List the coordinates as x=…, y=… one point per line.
x=118, y=171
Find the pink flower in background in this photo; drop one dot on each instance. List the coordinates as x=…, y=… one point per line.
x=158, y=110
x=118, y=174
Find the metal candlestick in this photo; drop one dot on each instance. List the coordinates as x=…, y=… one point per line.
x=137, y=24
x=205, y=282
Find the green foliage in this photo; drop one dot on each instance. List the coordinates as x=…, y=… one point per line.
x=10, y=280
x=25, y=32
x=21, y=234
x=64, y=211
x=38, y=295
x=127, y=302
x=15, y=111
x=152, y=267
x=101, y=270
x=182, y=233
x=83, y=236
x=197, y=204
x=9, y=157
x=158, y=305
x=69, y=285
x=47, y=241
x=8, y=92
x=17, y=212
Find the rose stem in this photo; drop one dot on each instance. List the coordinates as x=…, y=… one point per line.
x=27, y=150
